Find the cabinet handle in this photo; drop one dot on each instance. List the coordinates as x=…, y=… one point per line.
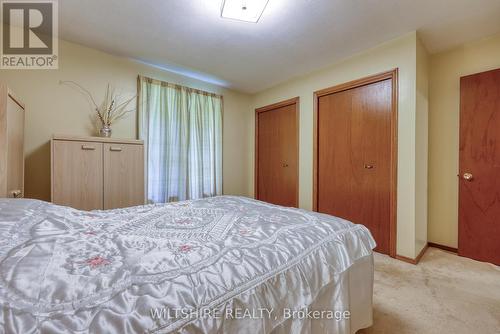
x=115, y=149
x=88, y=148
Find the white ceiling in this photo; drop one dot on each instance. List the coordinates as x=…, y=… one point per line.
x=293, y=37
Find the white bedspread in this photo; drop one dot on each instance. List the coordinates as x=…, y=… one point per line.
x=64, y=270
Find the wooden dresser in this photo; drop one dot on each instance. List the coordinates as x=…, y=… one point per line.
x=97, y=173
x=11, y=145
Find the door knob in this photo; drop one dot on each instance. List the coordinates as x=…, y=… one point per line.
x=368, y=166
x=467, y=177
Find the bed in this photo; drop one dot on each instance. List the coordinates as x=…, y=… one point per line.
x=218, y=265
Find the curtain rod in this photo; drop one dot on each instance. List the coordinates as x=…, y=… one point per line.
x=176, y=86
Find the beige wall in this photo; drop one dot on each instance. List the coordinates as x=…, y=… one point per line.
x=444, y=109
x=400, y=53
x=421, y=147
x=54, y=108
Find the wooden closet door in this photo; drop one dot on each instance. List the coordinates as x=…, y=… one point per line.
x=77, y=174
x=277, y=154
x=15, y=149
x=479, y=182
x=123, y=175
x=354, y=157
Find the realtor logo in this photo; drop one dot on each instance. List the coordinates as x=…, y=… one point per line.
x=29, y=34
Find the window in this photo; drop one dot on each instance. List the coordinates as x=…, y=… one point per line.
x=182, y=130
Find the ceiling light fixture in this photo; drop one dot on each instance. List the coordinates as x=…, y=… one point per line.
x=243, y=10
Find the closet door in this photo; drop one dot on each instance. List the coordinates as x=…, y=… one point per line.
x=77, y=174
x=354, y=157
x=277, y=153
x=123, y=175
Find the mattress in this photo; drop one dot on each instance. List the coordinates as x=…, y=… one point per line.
x=218, y=265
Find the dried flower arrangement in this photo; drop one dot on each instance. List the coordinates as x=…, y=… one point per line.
x=111, y=110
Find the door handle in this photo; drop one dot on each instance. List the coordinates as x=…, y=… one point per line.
x=88, y=148
x=467, y=177
x=285, y=164
x=369, y=166
x=115, y=149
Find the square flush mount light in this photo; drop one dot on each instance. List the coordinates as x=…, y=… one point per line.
x=243, y=10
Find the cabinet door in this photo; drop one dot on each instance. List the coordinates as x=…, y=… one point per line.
x=77, y=174
x=15, y=149
x=123, y=175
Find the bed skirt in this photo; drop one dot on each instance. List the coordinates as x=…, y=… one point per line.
x=343, y=306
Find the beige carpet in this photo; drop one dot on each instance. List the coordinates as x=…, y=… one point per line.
x=444, y=293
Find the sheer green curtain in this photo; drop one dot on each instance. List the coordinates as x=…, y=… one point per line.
x=182, y=130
